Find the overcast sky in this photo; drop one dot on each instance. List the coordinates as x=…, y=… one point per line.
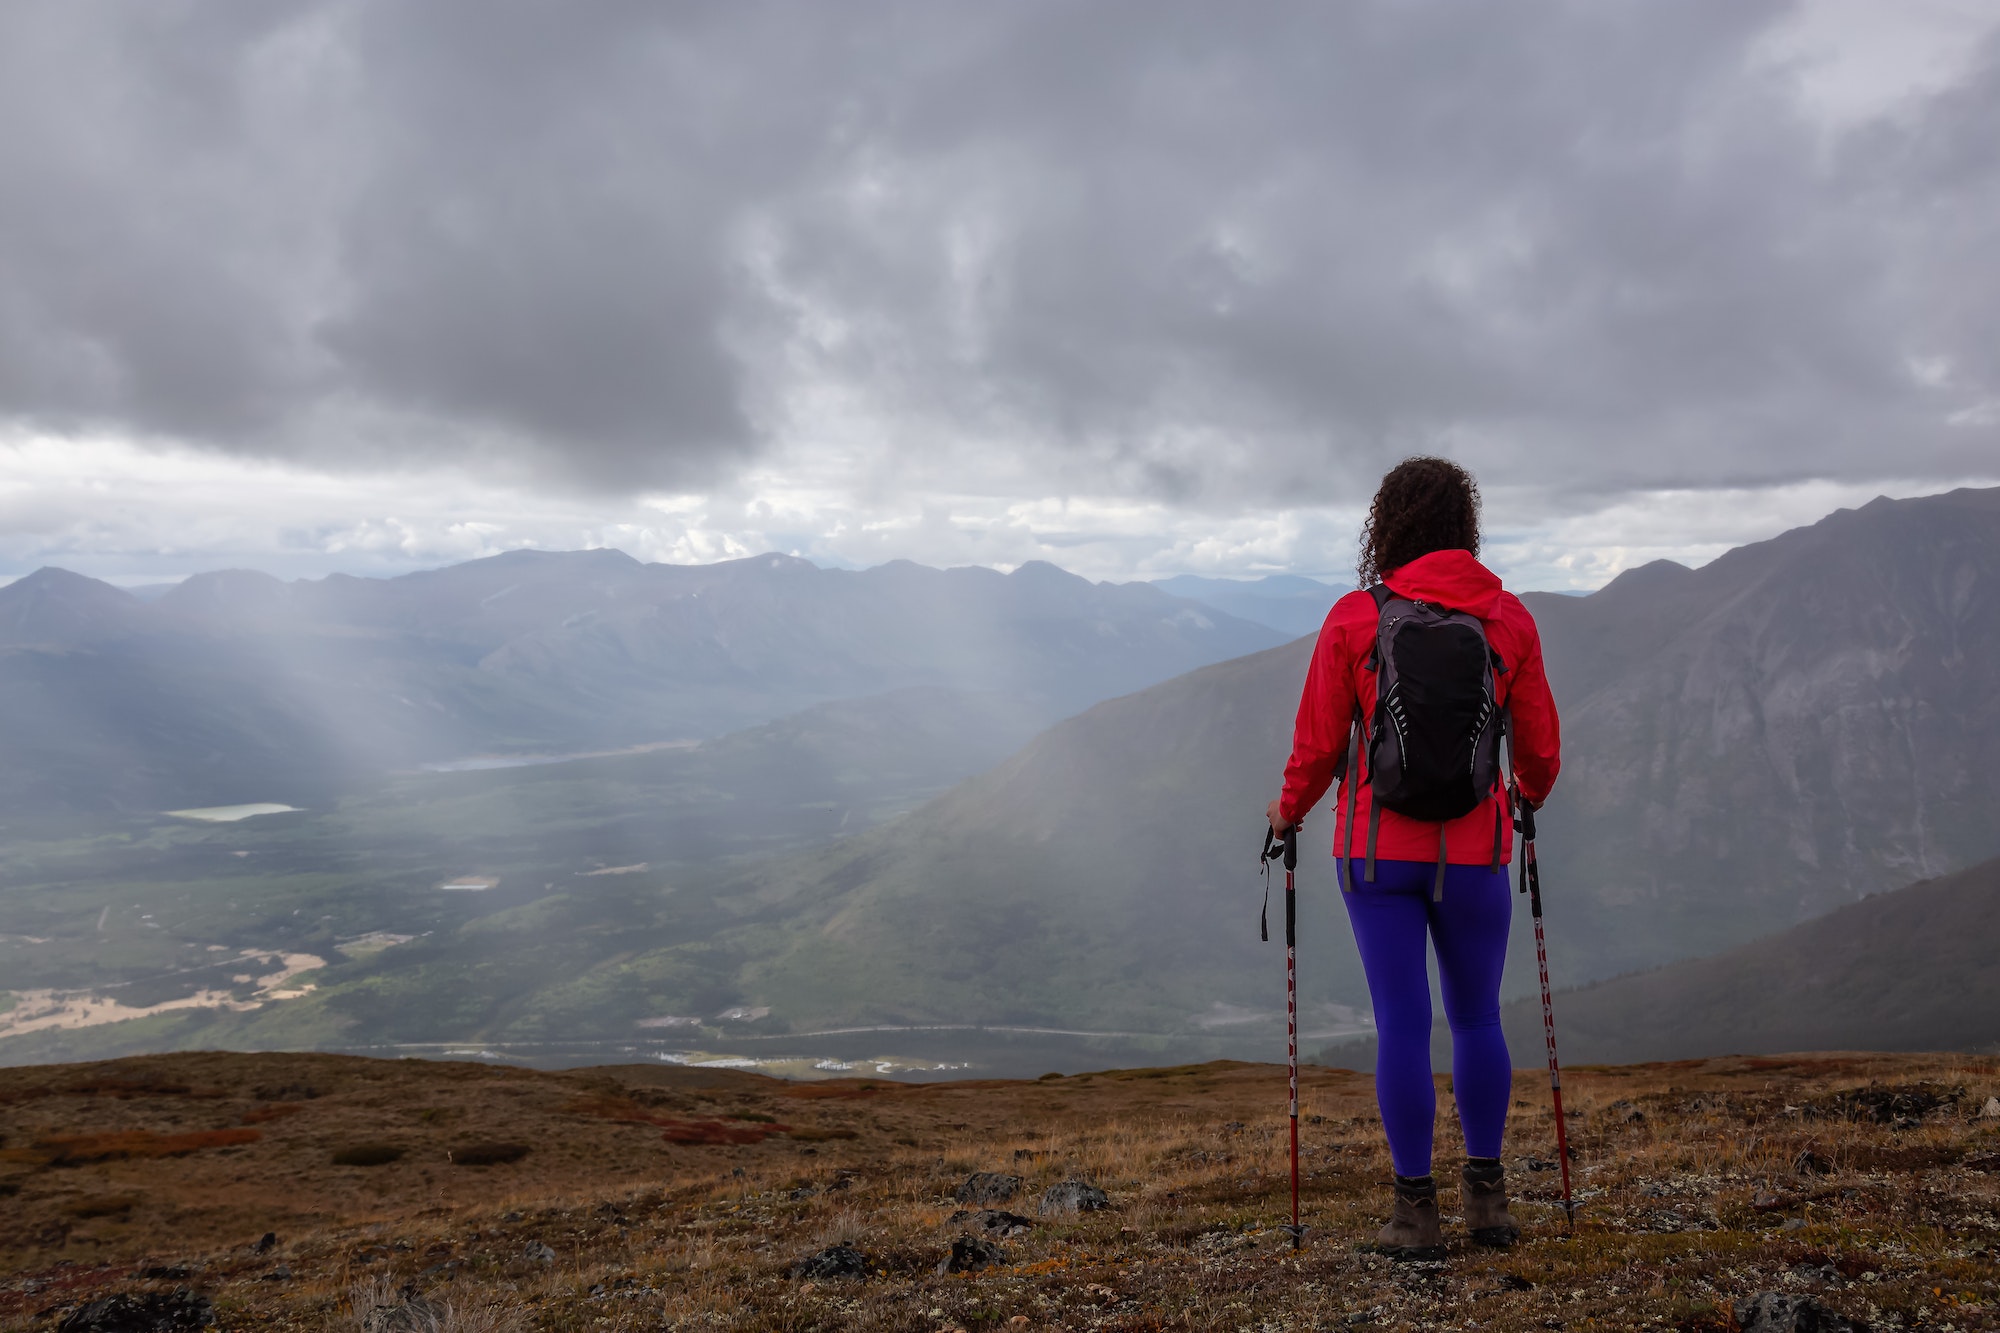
x=1137, y=286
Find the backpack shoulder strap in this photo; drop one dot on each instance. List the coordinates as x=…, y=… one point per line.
x=1382, y=593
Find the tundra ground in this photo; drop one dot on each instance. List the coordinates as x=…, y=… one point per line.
x=310, y=1191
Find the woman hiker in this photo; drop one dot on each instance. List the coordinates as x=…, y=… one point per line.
x=1424, y=602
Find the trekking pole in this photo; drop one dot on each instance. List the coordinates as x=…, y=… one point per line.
x=1531, y=884
x=1290, y=851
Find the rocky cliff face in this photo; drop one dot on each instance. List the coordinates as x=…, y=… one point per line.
x=1801, y=722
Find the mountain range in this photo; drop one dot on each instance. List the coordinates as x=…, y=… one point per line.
x=1780, y=734
x=1793, y=726
x=235, y=686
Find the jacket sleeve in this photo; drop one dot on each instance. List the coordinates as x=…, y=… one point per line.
x=1319, y=736
x=1536, y=741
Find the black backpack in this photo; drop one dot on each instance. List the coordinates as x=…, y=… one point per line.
x=1433, y=746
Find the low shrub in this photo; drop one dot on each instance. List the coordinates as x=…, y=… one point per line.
x=264, y=1115
x=822, y=1133
x=107, y=1205
x=488, y=1154
x=367, y=1154
x=714, y=1132
x=119, y=1145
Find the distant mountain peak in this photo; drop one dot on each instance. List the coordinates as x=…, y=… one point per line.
x=1653, y=576
x=597, y=555
x=1041, y=571
x=55, y=580
x=54, y=604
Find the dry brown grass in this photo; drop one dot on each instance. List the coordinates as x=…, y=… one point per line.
x=1861, y=1180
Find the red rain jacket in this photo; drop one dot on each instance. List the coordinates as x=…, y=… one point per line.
x=1338, y=682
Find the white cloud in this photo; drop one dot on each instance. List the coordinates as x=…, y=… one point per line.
x=134, y=514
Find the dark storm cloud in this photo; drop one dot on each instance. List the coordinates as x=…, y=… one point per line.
x=1177, y=249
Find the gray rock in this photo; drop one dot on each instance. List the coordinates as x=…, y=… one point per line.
x=992, y=1221
x=1073, y=1196
x=983, y=1188
x=835, y=1261
x=1775, y=1312
x=969, y=1254
x=539, y=1253
x=141, y=1312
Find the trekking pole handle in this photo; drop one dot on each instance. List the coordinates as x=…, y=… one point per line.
x=1524, y=815
x=1288, y=847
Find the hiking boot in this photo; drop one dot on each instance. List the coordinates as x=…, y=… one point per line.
x=1484, y=1199
x=1413, y=1231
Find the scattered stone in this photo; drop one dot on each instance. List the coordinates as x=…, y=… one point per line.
x=1233, y=1127
x=992, y=1221
x=1073, y=1196
x=1810, y=1163
x=538, y=1253
x=1627, y=1112
x=1767, y=1202
x=268, y=1243
x=141, y=1312
x=1793, y=1224
x=987, y=1187
x=1539, y=1164
x=1990, y=1111
x=166, y=1272
x=510, y=1217
x=1898, y=1107
x=282, y=1273
x=1774, y=1312
x=835, y=1261
x=970, y=1254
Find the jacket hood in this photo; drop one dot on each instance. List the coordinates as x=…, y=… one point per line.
x=1448, y=578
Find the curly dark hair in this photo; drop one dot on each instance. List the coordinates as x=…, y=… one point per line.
x=1424, y=505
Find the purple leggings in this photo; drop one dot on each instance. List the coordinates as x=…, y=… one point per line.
x=1391, y=918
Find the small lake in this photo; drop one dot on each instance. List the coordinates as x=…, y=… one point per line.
x=229, y=814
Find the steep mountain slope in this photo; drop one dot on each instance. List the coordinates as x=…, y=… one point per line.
x=1103, y=877
x=236, y=686
x=1913, y=969
x=1747, y=745
x=1796, y=724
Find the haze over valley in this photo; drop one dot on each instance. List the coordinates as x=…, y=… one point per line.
x=942, y=862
